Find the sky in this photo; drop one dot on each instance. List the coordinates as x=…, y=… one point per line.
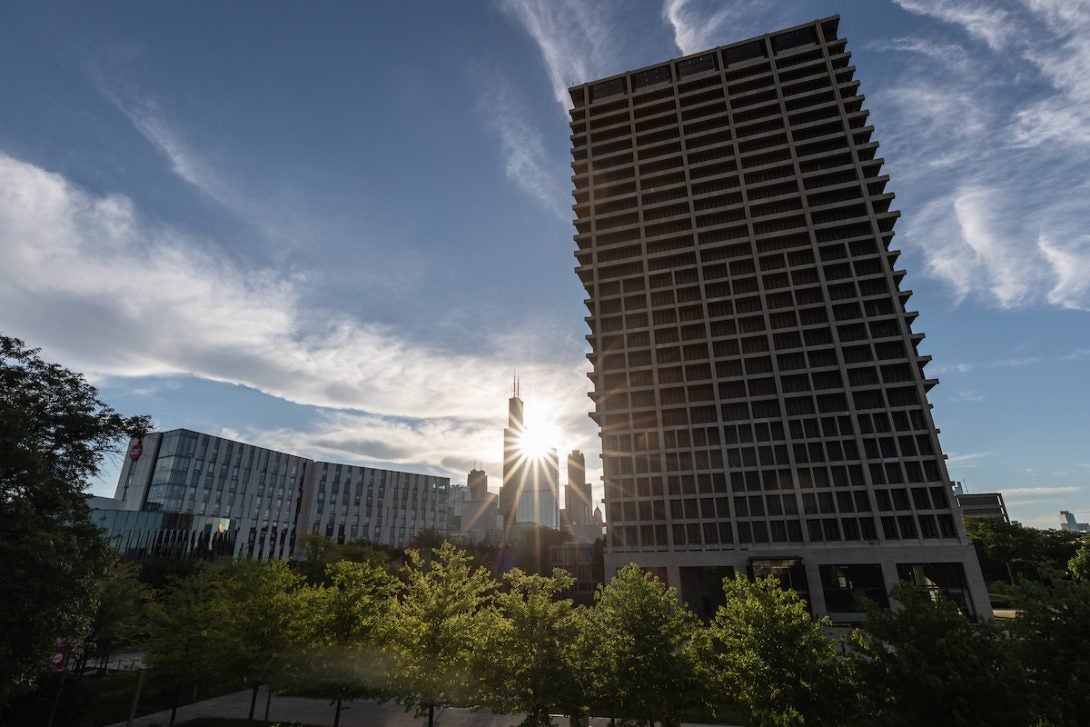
x=338, y=229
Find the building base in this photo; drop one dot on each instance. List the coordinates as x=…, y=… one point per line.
x=832, y=580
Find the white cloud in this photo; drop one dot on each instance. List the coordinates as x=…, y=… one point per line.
x=982, y=20
x=1070, y=272
x=111, y=294
x=968, y=459
x=990, y=142
x=701, y=25
x=113, y=74
x=574, y=38
x=964, y=246
x=1021, y=493
x=951, y=55
x=522, y=146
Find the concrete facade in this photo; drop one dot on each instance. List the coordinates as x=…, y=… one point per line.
x=762, y=402
x=982, y=504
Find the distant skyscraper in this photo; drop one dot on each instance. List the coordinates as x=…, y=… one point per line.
x=478, y=520
x=477, y=481
x=1069, y=524
x=756, y=377
x=514, y=464
x=530, y=489
x=577, y=494
x=539, y=498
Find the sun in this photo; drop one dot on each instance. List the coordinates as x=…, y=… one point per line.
x=536, y=441
x=541, y=433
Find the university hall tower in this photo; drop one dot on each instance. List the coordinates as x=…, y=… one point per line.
x=762, y=402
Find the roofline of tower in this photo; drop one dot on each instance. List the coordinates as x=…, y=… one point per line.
x=819, y=21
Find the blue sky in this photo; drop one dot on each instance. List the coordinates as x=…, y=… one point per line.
x=337, y=228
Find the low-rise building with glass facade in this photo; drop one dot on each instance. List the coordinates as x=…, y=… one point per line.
x=265, y=501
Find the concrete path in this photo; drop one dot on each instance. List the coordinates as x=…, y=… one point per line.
x=320, y=713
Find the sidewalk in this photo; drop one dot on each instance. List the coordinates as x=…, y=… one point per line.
x=320, y=713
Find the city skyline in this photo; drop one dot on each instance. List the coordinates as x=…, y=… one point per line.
x=235, y=243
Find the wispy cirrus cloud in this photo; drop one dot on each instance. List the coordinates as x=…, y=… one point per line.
x=574, y=38
x=1021, y=493
x=1014, y=361
x=967, y=459
x=116, y=78
x=527, y=163
x=702, y=24
x=983, y=20
x=114, y=295
x=576, y=45
x=990, y=131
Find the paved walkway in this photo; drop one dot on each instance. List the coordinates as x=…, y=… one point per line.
x=320, y=713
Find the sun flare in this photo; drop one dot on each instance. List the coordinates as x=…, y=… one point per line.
x=536, y=440
x=541, y=432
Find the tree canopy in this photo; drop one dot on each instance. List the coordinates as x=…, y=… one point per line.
x=340, y=655
x=765, y=652
x=925, y=663
x=54, y=432
x=525, y=661
x=437, y=621
x=644, y=653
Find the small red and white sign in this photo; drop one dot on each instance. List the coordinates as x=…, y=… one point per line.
x=58, y=660
x=136, y=450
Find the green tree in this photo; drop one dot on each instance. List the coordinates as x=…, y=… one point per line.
x=228, y=623
x=765, y=652
x=54, y=432
x=587, y=685
x=1052, y=627
x=341, y=655
x=262, y=622
x=437, y=622
x=119, y=619
x=183, y=645
x=1008, y=552
x=645, y=652
x=1079, y=565
x=427, y=539
x=319, y=552
x=1002, y=548
x=925, y=663
x=526, y=653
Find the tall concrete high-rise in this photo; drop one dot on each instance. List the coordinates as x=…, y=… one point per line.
x=762, y=401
